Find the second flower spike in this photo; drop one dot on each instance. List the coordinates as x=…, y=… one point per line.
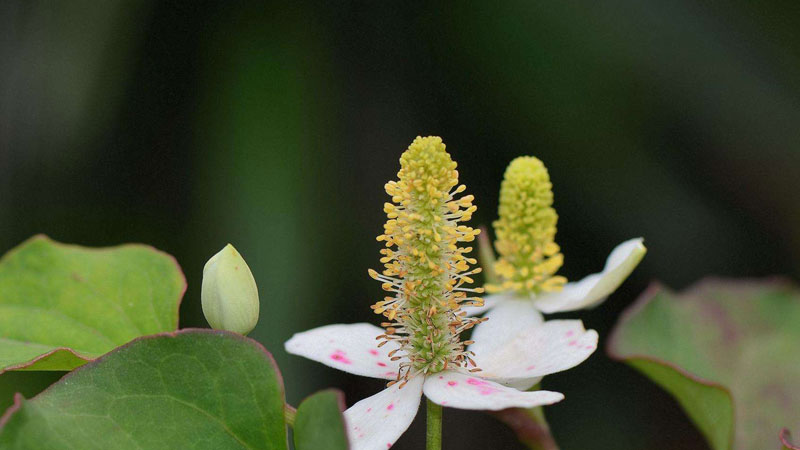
x=529, y=256
x=230, y=295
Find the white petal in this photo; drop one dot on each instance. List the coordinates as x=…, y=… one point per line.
x=378, y=421
x=594, y=289
x=506, y=321
x=351, y=348
x=489, y=302
x=521, y=360
x=464, y=391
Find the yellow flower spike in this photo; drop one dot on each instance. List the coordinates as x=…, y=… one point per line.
x=427, y=270
x=526, y=231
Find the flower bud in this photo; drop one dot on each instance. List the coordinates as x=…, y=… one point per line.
x=230, y=295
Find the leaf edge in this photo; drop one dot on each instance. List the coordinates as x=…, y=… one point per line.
x=19, y=399
x=647, y=296
x=340, y=401
x=43, y=237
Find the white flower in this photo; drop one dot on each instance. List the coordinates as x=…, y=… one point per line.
x=513, y=354
x=426, y=275
x=529, y=256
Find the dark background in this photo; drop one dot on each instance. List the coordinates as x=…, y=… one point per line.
x=275, y=126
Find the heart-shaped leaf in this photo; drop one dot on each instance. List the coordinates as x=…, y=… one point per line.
x=198, y=389
x=319, y=422
x=62, y=305
x=726, y=350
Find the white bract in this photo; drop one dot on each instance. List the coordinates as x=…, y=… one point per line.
x=512, y=355
x=586, y=293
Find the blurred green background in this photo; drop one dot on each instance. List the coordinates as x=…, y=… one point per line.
x=188, y=125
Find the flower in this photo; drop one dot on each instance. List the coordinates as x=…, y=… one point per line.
x=529, y=257
x=426, y=274
x=515, y=351
x=229, y=294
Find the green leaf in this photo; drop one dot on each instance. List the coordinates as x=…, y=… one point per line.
x=62, y=305
x=726, y=350
x=199, y=389
x=319, y=422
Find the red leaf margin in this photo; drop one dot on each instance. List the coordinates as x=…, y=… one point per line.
x=786, y=440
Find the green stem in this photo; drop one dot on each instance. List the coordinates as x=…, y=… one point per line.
x=434, y=435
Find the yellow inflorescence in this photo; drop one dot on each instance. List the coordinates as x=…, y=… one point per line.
x=425, y=269
x=526, y=231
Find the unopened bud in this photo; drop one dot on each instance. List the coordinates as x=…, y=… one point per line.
x=230, y=295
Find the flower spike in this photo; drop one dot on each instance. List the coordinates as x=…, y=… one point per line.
x=529, y=257
x=425, y=269
x=526, y=230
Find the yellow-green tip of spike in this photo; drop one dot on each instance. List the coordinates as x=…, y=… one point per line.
x=526, y=230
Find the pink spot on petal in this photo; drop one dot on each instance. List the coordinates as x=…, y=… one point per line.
x=361, y=435
x=382, y=364
x=589, y=347
x=369, y=409
x=373, y=352
x=390, y=407
x=390, y=374
x=452, y=383
x=531, y=367
x=339, y=355
x=570, y=333
x=573, y=342
x=444, y=403
x=476, y=382
x=389, y=445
